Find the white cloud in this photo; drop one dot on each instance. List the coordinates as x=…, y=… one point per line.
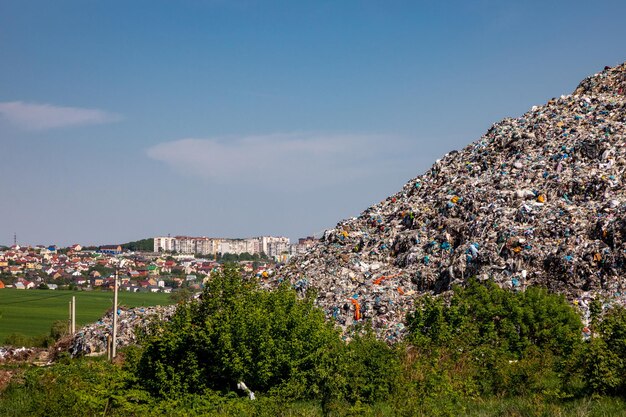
x=281, y=159
x=33, y=116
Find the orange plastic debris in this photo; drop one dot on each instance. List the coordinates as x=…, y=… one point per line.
x=381, y=278
x=400, y=291
x=357, y=309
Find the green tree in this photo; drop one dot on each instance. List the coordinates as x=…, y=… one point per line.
x=143, y=245
x=181, y=295
x=604, y=360
x=239, y=332
x=104, y=271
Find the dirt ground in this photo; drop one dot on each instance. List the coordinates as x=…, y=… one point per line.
x=10, y=364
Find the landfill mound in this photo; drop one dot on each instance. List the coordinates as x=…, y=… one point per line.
x=537, y=200
x=92, y=338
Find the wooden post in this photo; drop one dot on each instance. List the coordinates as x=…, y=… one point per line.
x=109, y=347
x=73, y=315
x=69, y=320
x=114, y=317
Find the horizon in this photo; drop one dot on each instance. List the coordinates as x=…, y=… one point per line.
x=34, y=245
x=120, y=122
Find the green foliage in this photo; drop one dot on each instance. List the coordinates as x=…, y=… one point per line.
x=59, y=329
x=6, y=278
x=143, y=245
x=233, y=257
x=238, y=332
x=74, y=388
x=20, y=339
x=487, y=340
x=104, y=271
x=181, y=295
x=17, y=339
x=94, y=387
x=273, y=341
x=605, y=359
x=484, y=315
x=373, y=368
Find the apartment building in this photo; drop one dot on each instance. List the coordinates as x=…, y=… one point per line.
x=274, y=246
x=270, y=245
x=163, y=244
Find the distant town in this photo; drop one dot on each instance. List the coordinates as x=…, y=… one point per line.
x=160, y=264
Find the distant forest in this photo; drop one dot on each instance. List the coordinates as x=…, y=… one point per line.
x=143, y=245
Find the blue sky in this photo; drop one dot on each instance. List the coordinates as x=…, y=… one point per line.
x=121, y=120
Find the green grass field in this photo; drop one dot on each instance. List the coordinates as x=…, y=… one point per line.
x=32, y=312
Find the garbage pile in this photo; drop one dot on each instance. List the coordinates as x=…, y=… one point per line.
x=92, y=339
x=537, y=200
x=13, y=354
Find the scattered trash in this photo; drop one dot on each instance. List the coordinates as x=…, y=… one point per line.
x=242, y=386
x=13, y=354
x=92, y=339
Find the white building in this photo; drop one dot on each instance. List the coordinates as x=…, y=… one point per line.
x=163, y=244
x=272, y=246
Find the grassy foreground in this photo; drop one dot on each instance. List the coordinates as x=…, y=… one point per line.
x=91, y=386
x=32, y=312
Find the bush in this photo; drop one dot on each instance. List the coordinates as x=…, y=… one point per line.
x=605, y=359
x=59, y=329
x=374, y=368
x=505, y=342
x=239, y=332
x=19, y=340
x=273, y=341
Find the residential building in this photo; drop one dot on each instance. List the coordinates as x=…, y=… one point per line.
x=270, y=245
x=163, y=244
x=111, y=249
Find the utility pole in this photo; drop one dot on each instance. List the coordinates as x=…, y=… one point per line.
x=73, y=315
x=114, y=342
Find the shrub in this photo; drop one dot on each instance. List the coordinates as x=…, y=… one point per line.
x=604, y=361
x=19, y=340
x=239, y=332
x=59, y=329
x=507, y=342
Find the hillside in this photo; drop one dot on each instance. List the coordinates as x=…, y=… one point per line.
x=143, y=245
x=537, y=200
